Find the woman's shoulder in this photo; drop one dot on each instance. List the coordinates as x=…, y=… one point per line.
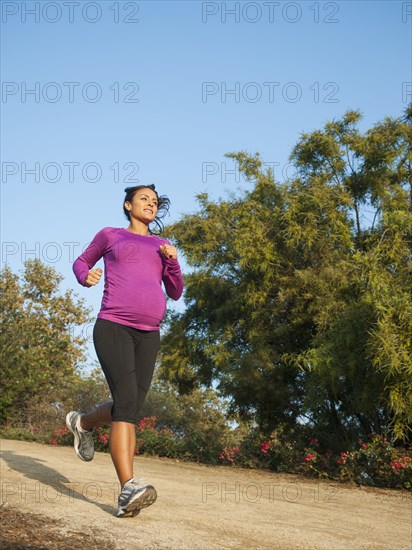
x=106, y=234
x=110, y=230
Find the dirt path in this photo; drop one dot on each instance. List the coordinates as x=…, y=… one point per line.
x=201, y=507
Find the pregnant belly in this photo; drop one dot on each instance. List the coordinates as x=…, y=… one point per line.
x=143, y=305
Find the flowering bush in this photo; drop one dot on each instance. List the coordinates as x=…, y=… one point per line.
x=147, y=423
x=314, y=462
x=101, y=439
x=278, y=452
x=374, y=461
x=62, y=436
x=150, y=439
x=249, y=453
x=155, y=440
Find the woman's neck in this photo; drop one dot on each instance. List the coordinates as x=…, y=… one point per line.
x=138, y=229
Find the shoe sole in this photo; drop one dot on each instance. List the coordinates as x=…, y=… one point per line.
x=76, y=438
x=130, y=514
x=146, y=499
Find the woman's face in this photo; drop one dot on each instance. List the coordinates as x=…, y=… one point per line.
x=144, y=205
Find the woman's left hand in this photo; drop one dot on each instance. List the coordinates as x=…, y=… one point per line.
x=168, y=251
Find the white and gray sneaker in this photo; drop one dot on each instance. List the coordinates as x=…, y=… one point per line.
x=83, y=439
x=134, y=497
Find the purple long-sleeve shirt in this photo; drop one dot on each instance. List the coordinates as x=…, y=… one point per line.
x=134, y=270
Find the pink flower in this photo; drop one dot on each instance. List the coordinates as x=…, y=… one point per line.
x=60, y=431
x=309, y=457
x=402, y=463
x=229, y=454
x=103, y=438
x=53, y=442
x=343, y=458
x=264, y=447
x=147, y=423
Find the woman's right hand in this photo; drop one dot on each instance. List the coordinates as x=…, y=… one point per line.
x=93, y=277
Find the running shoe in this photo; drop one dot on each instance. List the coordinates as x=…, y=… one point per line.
x=83, y=439
x=134, y=497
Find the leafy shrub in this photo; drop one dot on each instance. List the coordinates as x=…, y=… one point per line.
x=376, y=462
x=155, y=440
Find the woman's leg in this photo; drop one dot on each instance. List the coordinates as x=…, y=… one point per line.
x=101, y=415
x=127, y=357
x=115, y=348
x=122, y=439
x=147, y=347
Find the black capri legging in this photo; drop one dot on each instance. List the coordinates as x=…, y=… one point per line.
x=127, y=357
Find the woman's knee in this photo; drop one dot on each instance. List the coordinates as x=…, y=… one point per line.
x=125, y=412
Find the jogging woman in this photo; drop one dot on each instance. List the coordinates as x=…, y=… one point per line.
x=126, y=332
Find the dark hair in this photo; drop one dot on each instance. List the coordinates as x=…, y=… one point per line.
x=163, y=204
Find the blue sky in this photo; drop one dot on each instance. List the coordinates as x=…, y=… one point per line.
x=118, y=103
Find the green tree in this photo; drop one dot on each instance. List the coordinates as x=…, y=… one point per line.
x=39, y=352
x=299, y=300
x=361, y=353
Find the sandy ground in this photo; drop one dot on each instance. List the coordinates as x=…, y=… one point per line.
x=200, y=507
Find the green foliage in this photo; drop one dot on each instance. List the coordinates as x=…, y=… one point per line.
x=22, y=434
x=196, y=419
x=38, y=349
x=298, y=303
